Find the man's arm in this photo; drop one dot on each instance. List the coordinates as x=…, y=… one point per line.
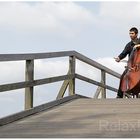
x=123, y=54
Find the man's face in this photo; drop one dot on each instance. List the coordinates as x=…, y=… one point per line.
x=133, y=35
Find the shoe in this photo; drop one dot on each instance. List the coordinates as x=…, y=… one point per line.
x=119, y=96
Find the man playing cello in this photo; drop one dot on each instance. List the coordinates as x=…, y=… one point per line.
x=133, y=33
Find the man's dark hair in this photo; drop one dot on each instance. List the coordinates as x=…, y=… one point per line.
x=134, y=29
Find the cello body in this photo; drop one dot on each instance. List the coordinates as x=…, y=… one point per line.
x=130, y=81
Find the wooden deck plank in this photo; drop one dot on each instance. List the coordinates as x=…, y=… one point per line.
x=81, y=118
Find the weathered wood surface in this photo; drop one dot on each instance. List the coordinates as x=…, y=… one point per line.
x=29, y=76
x=72, y=71
x=103, y=81
x=31, y=56
x=69, y=79
x=37, y=109
x=81, y=118
x=13, y=86
x=97, y=93
x=63, y=89
x=80, y=77
x=96, y=64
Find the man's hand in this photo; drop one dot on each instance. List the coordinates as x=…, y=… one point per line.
x=137, y=46
x=117, y=59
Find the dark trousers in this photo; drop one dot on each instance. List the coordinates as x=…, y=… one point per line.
x=120, y=92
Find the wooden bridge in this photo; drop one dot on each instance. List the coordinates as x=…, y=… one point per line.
x=72, y=116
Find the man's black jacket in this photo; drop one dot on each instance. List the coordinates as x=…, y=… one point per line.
x=127, y=50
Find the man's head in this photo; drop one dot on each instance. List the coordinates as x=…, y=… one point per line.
x=133, y=32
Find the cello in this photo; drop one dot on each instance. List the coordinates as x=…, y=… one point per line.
x=130, y=81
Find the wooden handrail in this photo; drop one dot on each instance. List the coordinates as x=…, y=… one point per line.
x=32, y=56
x=96, y=64
x=19, y=85
x=83, y=78
x=69, y=79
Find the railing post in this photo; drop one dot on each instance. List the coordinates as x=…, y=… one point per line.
x=103, y=81
x=72, y=71
x=29, y=76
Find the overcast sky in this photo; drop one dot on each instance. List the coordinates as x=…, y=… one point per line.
x=98, y=30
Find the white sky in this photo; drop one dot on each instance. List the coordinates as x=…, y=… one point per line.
x=98, y=30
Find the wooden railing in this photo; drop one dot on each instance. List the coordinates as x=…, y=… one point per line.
x=69, y=79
